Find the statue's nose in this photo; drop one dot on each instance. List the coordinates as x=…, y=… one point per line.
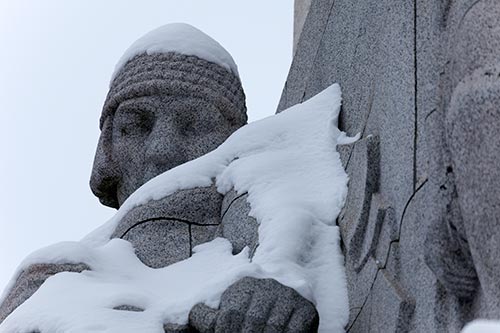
x=164, y=147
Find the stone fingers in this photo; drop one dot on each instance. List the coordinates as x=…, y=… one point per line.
x=203, y=318
x=304, y=318
x=257, y=305
x=279, y=317
x=258, y=312
x=230, y=321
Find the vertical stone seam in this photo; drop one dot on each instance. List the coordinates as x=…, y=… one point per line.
x=402, y=220
x=415, y=63
x=379, y=268
x=364, y=302
x=308, y=79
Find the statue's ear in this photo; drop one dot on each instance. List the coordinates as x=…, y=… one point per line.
x=105, y=172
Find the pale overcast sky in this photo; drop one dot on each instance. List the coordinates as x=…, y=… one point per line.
x=56, y=58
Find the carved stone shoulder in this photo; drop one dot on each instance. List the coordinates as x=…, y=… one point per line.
x=30, y=280
x=165, y=231
x=238, y=226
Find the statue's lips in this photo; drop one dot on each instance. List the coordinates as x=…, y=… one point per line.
x=198, y=206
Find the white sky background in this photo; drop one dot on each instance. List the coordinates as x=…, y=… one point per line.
x=56, y=58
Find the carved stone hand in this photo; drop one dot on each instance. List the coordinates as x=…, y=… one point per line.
x=257, y=305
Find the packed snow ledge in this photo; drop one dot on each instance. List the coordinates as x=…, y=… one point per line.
x=296, y=187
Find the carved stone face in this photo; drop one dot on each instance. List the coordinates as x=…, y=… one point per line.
x=156, y=133
x=162, y=110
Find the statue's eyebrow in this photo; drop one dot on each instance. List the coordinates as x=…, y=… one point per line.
x=140, y=102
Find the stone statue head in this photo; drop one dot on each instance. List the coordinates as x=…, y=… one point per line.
x=163, y=108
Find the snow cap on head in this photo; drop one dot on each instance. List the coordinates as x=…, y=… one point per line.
x=180, y=38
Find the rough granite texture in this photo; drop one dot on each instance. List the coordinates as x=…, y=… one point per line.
x=249, y=305
x=237, y=226
x=300, y=10
x=199, y=206
x=29, y=280
x=160, y=243
x=166, y=231
x=162, y=110
x=421, y=83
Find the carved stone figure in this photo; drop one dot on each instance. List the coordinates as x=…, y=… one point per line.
x=164, y=109
x=463, y=245
x=421, y=84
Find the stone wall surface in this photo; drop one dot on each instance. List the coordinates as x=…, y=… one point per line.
x=300, y=9
x=421, y=83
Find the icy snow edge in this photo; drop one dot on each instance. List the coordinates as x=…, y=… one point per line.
x=181, y=38
x=482, y=326
x=296, y=185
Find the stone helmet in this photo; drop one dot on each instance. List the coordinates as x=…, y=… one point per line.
x=176, y=80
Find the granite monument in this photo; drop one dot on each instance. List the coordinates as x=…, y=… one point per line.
x=164, y=109
x=421, y=83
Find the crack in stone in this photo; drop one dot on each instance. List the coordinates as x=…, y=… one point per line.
x=364, y=302
x=231, y=203
x=401, y=222
x=388, y=253
x=169, y=219
x=307, y=80
x=415, y=95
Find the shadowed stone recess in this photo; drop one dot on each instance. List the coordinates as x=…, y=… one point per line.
x=128, y=308
x=177, y=328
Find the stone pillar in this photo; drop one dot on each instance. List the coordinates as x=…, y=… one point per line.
x=421, y=83
x=301, y=9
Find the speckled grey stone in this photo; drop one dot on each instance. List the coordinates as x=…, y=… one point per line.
x=165, y=231
x=345, y=151
x=177, y=328
x=309, y=41
x=29, y=280
x=301, y=8
x=203, y=233
x=473, y=125
x=257, y=305
x=396, y=313
x=422, y=77
x=132, y=308
x=195, y=206
x=160, y=243
x=436, y=308
x=162, y=110
x=363, y=171
x=237, y=226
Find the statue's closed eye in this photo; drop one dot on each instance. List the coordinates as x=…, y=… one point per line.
x=132, y=122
